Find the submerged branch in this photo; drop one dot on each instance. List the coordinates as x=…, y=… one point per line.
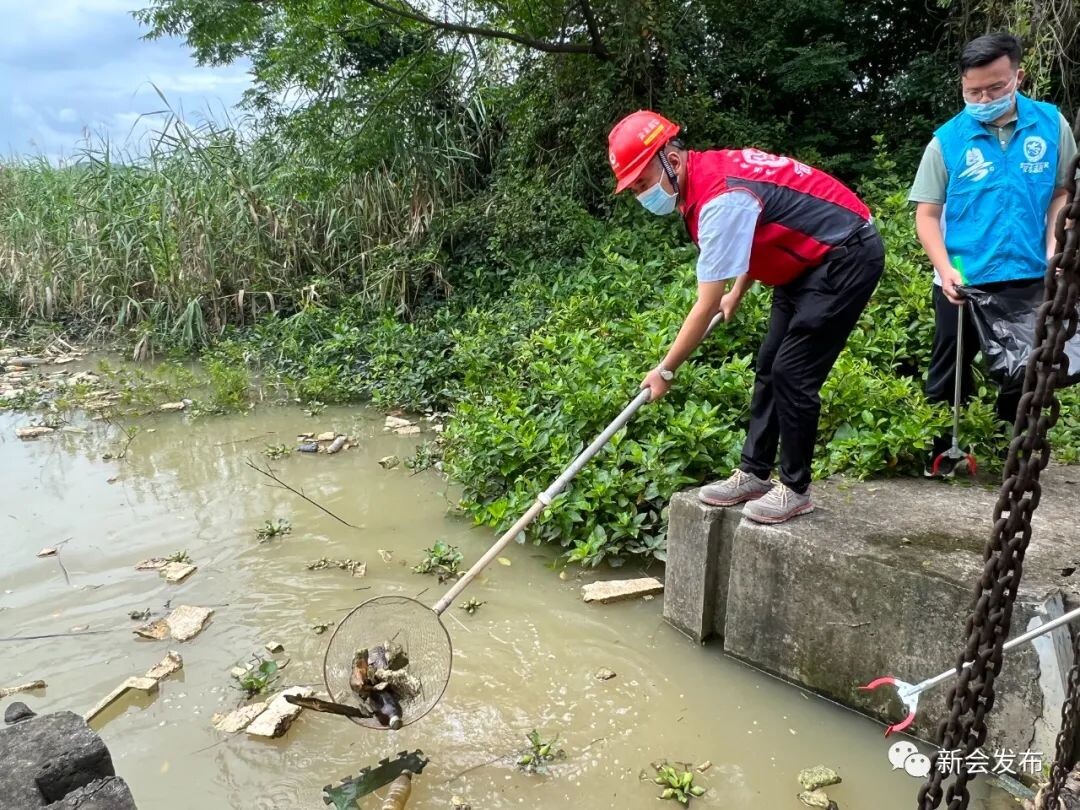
x=282, y=485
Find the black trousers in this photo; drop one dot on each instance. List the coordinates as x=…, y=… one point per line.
x=811, y=320
x=940, y=381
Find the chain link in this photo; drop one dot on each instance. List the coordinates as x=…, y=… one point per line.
x=972, y=696
x=1065, y=757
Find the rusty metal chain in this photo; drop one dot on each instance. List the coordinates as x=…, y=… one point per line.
x=1066, y=754
x=972, y=696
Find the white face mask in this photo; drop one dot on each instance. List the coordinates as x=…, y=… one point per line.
x=991, y=110
x=657, y=200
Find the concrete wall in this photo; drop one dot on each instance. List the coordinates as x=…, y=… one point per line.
x=878, y=581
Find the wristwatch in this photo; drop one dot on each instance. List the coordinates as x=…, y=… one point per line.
x=667, y=375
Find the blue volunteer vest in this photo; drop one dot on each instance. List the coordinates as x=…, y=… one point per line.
x=996, y=200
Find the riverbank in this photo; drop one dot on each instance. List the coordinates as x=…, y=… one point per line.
x=525, y=659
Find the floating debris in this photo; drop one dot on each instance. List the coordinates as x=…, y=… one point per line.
x=279, y=714
x=22, y=687
x=139, y=615
x=817, y=798
x=616, y=590
x=818, y=777
x=184, y=623
x=274, y=647
x=270, y=530
x=604, y=674
x=308, y=447
x=381, y=680
x=472, y=606
x=397, y=796
x=396, y=423
x=322, y=627
x=354, y=567
x=345, y=795
x=239, y=719
x=33, y=431
x=147, y=685
x=169, y=407
x=389, y=462
x=157, y=630
x=177, y=571
x=47, y=552
x=337, y=444
x=171, y=663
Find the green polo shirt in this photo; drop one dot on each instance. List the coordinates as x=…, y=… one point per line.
x=932, y=178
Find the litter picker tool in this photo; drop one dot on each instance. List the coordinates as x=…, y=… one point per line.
x=954, y=459
x=909, y=693
x=415, y=628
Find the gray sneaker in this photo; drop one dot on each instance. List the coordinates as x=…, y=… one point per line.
x=779, y=505
x=738, y=488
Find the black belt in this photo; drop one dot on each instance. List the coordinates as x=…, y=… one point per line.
x=864, y=233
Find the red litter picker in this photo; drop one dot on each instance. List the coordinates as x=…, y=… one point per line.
x=909, y=693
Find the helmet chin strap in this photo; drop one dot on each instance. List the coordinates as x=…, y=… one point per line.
x=672, y=177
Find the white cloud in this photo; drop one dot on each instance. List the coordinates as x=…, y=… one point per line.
x=71, y=66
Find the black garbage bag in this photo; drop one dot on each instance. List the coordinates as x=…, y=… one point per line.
x=1005, y=322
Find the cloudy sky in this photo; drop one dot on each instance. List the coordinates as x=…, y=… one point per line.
x=69, y=65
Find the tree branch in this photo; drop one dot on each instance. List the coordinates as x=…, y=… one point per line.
x=595, y=48
x=594, y=29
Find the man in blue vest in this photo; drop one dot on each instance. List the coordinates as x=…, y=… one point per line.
x=988, y=191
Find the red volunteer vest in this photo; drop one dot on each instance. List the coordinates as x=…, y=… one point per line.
x=804, y=212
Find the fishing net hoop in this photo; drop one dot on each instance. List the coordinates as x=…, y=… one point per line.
x=405, y=621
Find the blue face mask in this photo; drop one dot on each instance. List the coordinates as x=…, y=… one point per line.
x=991, y=110
x=658, y=201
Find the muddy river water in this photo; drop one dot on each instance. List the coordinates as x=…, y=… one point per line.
x=524, y=660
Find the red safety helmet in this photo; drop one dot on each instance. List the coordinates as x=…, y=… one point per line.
x=633, y=141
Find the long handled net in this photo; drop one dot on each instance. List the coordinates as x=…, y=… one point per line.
x=390, y=658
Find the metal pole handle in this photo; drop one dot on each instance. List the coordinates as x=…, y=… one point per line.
x=1016, y=642
x=956, y=381
x=544, y=499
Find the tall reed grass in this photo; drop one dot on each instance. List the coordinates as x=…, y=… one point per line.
x=207, y=228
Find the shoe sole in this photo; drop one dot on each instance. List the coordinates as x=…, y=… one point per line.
x=768, y=520
x=731, y=501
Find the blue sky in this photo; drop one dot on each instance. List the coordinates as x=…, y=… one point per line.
x=69, y=65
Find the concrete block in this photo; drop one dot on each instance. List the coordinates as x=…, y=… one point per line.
x=879, y=581
x=698, y=555
x=111, y=793
x=1054, y=652
x=45, y=757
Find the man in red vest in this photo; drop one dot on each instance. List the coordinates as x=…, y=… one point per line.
x=760, y=217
